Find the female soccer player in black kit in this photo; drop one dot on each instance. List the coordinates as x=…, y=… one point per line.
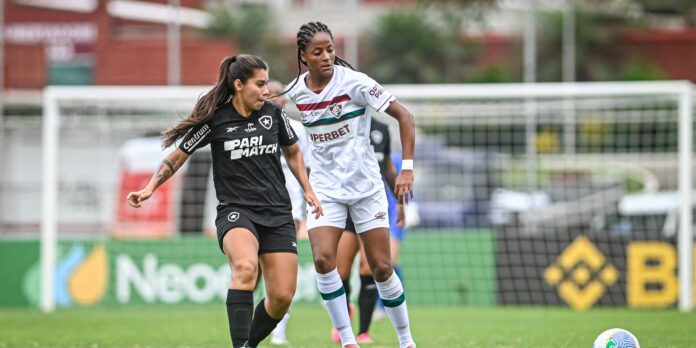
x=254, y=221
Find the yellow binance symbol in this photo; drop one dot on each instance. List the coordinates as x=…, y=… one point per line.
x=581, y=274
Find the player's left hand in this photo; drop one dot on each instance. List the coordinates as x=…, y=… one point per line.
x=403, y=190
x=313, y=202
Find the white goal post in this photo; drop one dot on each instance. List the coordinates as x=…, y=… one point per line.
x=55, y=99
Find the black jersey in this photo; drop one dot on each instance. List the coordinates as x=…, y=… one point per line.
x=246, y=160
x=380, y=140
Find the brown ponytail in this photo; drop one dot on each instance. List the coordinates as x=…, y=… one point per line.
x=232, y=68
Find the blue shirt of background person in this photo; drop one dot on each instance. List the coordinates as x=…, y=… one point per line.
x=395, y=231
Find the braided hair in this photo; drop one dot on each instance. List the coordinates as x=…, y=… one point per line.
x=304, y=35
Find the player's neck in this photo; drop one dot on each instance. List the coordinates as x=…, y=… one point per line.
x=316, y=83
x=242, y=109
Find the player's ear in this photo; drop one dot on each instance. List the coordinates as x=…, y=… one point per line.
x=237, y=85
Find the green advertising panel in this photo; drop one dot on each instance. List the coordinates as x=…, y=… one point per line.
x=79, y=278
x=438, y=268
x=16, y=260
x=449, y=267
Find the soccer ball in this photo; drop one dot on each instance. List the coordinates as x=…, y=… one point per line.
x=616, y=338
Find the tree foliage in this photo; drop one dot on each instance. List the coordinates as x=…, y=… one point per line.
x=409, y=46
x=404, y=48
x=249, y=28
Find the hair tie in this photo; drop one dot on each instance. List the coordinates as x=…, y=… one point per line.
x=229, y=65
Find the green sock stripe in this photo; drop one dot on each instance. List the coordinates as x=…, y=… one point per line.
x=332, y=295
x=395, y=302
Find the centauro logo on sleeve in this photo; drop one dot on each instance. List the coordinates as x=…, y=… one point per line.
x=250, y=146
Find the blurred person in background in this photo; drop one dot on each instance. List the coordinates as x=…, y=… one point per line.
x=293, y=186
x=401, y=218
x=406, y=216
x=254, y=221
x=336, y=105
x=278, y=335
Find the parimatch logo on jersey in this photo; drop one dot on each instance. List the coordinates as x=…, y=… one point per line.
x=250, y=146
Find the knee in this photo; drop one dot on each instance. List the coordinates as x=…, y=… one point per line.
x=280, y=301
x=244, y=273
x=324, y=263
x=382, y=271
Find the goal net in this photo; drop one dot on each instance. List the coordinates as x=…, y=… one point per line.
x=546, y=194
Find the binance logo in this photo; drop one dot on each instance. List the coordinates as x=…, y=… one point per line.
x=581, y=274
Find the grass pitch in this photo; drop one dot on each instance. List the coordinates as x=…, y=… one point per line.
x=206, y=326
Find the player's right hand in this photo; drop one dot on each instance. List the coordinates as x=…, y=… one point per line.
x=313, y=202
x=134, y=198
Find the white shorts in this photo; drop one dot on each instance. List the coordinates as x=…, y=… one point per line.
x=367, y=213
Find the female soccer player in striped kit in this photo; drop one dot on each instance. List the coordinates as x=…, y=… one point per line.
x=254, y=222
x=336, y=105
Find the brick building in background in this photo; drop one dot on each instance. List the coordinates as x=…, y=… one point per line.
x=123, y=42
x=92, y=43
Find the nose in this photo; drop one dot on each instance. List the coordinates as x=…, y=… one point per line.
x=326, y=56
x=266, y=92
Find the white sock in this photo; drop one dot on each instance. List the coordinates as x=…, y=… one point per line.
x=331, y=290
x=281, y=328
x=392, y=294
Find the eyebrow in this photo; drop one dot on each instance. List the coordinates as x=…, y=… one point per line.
x=322, y=47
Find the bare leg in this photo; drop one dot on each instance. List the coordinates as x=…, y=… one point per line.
x=280, y=275
x=348, y=247
x=241, y=248
x=377, y=252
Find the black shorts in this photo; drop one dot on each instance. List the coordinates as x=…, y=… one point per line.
x=350, y=226
x=272, y=239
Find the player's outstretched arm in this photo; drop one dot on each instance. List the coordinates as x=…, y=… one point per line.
x=403, y=189
x=169, y=166
x=293, y=157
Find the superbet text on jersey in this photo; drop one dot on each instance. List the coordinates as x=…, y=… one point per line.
x=337, y=121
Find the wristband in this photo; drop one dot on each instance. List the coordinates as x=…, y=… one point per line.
x=407, y=164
